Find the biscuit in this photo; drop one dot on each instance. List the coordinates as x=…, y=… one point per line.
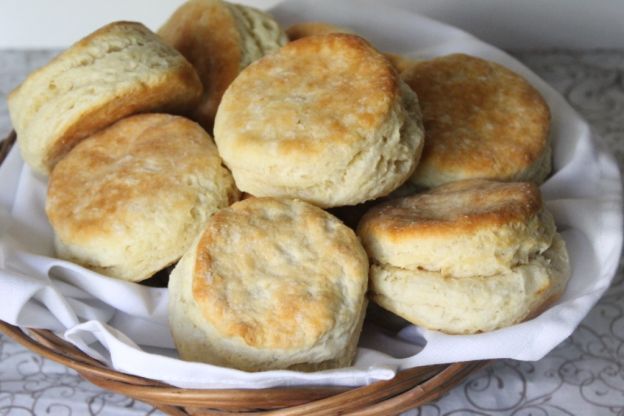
x=325, y=119
x=465, y=257
x=129, y=200
x=472, y=227
x=121, y=69
x=481, y=121
x=270, y=284
x=220, y=39
x=304, y=29
x=473, y=304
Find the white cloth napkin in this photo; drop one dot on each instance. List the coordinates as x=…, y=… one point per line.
x=125, y=324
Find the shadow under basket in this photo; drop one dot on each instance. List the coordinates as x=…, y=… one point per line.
x=409, y=389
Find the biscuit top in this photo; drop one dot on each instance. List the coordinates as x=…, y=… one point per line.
x=489, y=227
x=456, y=208
x=278, y=273
x=304, y=29
x=481, y=120
x=317, y=97
x=139, y=176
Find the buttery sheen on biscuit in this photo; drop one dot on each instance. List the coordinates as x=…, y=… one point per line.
x=481, y=121
x=270, y=284
x=220, y=39
x=465, y=257
x=121, y=69
x=325, y=119
x=129, y=200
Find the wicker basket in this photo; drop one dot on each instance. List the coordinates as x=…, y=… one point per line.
x=409, y=389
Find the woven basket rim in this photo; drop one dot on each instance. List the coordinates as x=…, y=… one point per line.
x=410, y=388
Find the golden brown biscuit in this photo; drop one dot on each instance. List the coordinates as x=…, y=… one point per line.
x=304, y=29
x=473, y=304
x=270, y=284
x=465, y=247
x=220, y=39
x=487, y=226
x=481, y=121
x=119, y=70
x=129, y=200
x=325, y=119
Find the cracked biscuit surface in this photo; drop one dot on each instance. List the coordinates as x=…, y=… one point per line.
x=325, y=119
x=129, y=200
x=269, y=284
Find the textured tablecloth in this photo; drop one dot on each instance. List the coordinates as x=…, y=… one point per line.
x=583, y=376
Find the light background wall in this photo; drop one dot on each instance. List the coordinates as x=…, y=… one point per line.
x=504, y=23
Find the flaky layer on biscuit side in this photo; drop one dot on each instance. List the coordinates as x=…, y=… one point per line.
x=465, y=228
x=474, y=304
x=121, y=69
x=260, y=34
x=484, y=251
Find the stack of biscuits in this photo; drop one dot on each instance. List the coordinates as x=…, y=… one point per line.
x=218, y=145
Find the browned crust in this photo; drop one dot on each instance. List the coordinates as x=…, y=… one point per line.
x=299, y=310
x=204, y=31
x=80, y=44
x=171, y=95
x=323, y=69
x=481, y=119
x=177, y=91
x=457, y=208
x=215, y=304
x=90, y=189
x=304, y=29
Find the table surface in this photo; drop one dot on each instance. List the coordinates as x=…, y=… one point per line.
x=582, y=376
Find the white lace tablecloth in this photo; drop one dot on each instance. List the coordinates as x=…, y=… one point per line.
x=583, y=376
